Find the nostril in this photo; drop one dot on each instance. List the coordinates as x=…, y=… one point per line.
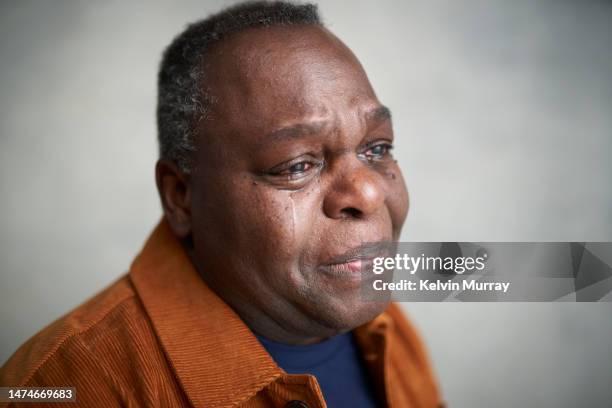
x=351, y=212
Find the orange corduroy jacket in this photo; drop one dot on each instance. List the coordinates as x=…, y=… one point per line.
x=159, y=337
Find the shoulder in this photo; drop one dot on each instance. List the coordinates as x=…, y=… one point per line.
x=97, y=347
x=405, y=333
x=410, y=356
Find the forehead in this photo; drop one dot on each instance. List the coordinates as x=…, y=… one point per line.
x=265, y=76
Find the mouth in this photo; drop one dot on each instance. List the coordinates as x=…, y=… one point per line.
x=354, y=263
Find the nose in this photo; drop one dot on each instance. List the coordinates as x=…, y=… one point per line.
x=356, y=193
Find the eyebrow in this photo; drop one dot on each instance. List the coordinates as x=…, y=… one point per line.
x=295, y=131
x=377, y=115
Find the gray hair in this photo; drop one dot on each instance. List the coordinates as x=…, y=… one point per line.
x=183, y=96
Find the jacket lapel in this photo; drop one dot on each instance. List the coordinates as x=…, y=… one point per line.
x=216, y=358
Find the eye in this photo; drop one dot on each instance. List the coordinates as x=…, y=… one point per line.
x=378, y=151
x=295, y=170
x=298, y=168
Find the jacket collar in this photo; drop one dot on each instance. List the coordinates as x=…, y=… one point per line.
x=203, y=338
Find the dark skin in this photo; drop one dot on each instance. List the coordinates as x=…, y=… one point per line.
x=293, y=174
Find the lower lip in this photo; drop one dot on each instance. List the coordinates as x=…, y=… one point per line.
x=347, y=271
x=351, y=267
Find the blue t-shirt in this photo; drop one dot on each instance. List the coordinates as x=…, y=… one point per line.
x=337, y=365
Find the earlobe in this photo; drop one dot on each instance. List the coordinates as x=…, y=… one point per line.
x=175, y=195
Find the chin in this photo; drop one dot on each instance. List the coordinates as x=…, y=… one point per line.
x=341, y=316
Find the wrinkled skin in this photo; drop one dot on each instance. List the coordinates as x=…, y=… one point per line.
x=292, y=170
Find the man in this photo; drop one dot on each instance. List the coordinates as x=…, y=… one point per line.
x=278, y=186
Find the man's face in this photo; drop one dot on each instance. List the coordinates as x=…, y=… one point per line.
x=292, y=176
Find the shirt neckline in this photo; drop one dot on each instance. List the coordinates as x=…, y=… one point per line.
x=290, y=356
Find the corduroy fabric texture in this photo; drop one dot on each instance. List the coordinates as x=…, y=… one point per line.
x=159, y=337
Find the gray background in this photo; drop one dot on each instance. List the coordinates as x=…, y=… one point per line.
x=503, y=115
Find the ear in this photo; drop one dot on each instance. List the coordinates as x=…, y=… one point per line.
x=175, y=195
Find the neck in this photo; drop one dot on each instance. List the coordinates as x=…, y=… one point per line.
x=292, y=328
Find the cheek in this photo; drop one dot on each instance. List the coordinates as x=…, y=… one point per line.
x=397, y=199
x=277, y=222
x=282, y=224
